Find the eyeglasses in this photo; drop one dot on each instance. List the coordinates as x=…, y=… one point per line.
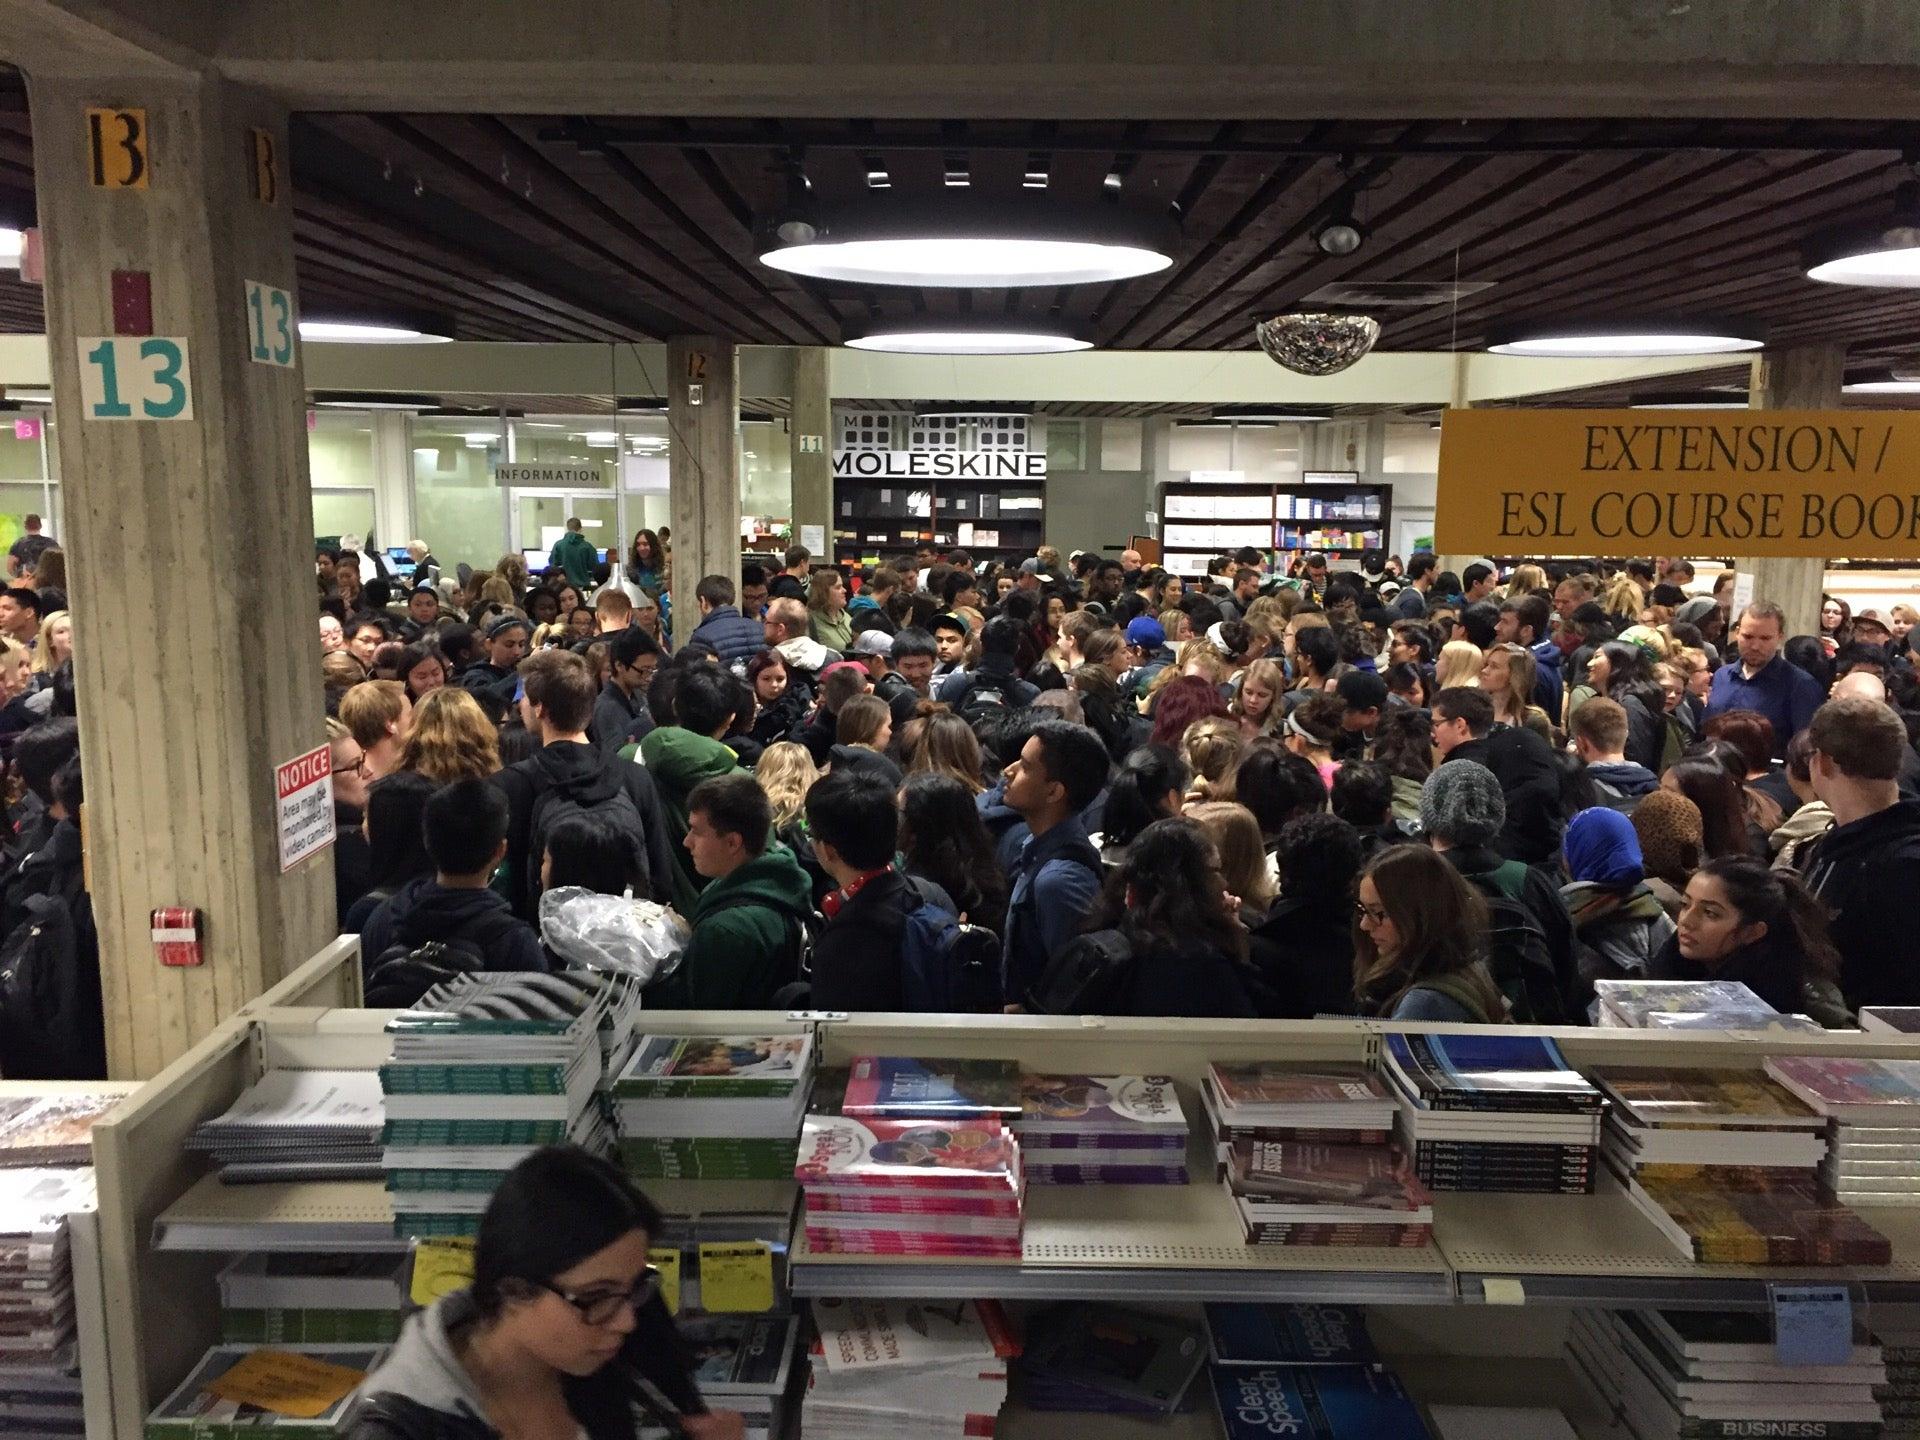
x=600, y=1307
x=1370, y=913
x=358, y=767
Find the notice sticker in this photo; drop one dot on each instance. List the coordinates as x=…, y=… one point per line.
x=305, y=788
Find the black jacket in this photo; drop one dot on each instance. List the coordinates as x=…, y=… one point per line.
x=902, y=699
x=1530, y=779
x=856, y=956
x=425, y=910
x=590, y=776
x=66, y=1039
x=1771, y=967
x=775, y=722
x=352, y=869
x=1864, y=872
x=997, y=671
x=486, y=677
x=845, y=758
x=1303, y=951
x=1188, y=977
x=1487, y=872
x=619, y=717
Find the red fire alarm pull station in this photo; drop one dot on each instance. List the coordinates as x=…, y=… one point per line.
x=176, y=936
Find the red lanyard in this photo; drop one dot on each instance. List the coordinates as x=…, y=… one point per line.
x=837, y=898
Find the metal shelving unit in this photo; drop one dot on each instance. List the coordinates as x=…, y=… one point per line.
x=1278, y=519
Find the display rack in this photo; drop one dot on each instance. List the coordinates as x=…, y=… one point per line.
x=1200, y=519
x=162, y=1239
x=876, y=518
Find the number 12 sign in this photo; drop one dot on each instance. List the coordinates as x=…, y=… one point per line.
x=135, y=377
x=270, y=328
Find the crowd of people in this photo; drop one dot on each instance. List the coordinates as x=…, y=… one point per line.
x=1085, y=784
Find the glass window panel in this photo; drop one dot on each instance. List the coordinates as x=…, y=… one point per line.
x=340, y=451
x=342, y=512
x=766, y=471
x=457, y=506
x=1412, y=450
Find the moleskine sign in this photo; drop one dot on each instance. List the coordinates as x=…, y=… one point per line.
x=1816, y=483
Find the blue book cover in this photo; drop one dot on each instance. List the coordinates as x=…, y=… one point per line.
x=1289, y=1335
x=900, y=1088
x=1490, y=1072
x=1315, y=1402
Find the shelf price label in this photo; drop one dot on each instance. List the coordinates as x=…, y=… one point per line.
x=666, y=1264
x=270, y=326
x=1812, y=1324
x=134, y=377
x=440, y=1267
x=736, y=1278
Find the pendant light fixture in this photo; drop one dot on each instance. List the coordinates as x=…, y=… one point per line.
x=963, y=335
x=1883, y=252
x=1900, y=380
x=1622, y=339
x=963, y=240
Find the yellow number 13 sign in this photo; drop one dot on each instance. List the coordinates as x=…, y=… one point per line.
x=117, y=149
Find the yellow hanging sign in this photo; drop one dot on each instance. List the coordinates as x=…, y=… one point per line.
x=1814, y=483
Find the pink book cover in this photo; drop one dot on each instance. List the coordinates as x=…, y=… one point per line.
x=978, y=1154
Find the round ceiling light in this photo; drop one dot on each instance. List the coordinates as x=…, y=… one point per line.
x=1694, y=400
x=968, y=243
x=936, y=337
x=357, y=332
x=1883, y=252
x=1621, y=340
x=1884, y=382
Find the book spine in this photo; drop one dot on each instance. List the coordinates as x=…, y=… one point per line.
x=448, y=1133
x=309, y=1327
x=642, y=1088
x=1039, y=1144
x=536, y=1079
x=480, y=1182
x=1387, y=1237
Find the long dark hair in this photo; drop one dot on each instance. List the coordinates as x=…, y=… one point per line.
x=1442, y=923
x=1143, y=781
x=942, y=837
x=1790, y=911
x=1172, y=873
x=1721, y=801
x=556, y=1208
x=396, y=840
x=1630, y=672
x=658, y=555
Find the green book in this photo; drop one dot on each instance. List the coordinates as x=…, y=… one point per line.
x=735, y=1067
x=403, y=1079
x=528, y=1133
x=480, y=1182
x=313, y=1327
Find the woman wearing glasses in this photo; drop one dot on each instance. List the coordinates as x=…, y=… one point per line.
x=1419, y=938
x=562, y=1335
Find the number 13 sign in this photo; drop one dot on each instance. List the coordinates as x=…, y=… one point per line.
x=135, y=377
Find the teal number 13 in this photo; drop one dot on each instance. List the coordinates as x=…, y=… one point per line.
x=166, y=375
x=261, y=299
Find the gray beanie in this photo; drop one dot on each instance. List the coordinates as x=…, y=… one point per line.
x=1462, y=804
x=1696, y=610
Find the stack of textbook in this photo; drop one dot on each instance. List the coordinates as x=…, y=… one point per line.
x=1489, y=1111
x=484, y=1070
x=1706, y=1374
x=1288, y=1192
x=52, y=1129
x=887, y=1369
x=1323, y=1104
x=272, y=1299
x=1101, y=1130
x=241, y=1392
x=39, y=1363
x=295, y=1125
x=1689, y=1005
x=1873, y=1155
x=1662, y=1116
x=713, y=1107
x=912, y=1187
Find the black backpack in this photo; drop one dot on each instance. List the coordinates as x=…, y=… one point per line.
x=398, y=976
x=985, y=697
x=1090, y=975
x=50, y=1023
x=553, y=806
x=946, y=967
x=1522, y=963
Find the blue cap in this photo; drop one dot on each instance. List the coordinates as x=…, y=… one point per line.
x=1145, y=631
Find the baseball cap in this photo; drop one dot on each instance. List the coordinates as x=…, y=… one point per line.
x=1145, y=632
x=949, y=622
x=873, y=642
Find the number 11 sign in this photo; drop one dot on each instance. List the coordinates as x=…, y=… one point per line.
x=135, y=377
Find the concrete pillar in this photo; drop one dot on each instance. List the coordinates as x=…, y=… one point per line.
x=812, y=450
x=1804, y=377
x=189, y=544
x=703, y=419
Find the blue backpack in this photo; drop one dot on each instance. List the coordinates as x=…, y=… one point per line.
x=946, y=967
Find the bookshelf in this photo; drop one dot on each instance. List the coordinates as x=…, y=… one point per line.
x=992, y=520
x=1200, y=519
x=162, y=1241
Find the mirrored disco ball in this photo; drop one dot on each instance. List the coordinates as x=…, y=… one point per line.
x=1317, y=344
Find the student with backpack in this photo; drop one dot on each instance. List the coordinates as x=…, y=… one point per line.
x=569, y=775
x=751, y=924
x=889, y=942
x=50, y=1017
x=1530, y=935
x=1055, y=875
x=994, y=684
x=450, y=922
x=682, y=754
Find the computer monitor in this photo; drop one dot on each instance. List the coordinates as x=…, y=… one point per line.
x=535, y=559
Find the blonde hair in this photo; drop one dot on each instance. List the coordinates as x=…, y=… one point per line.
x=943, y=744
x=1175, y=616
x=512, y=569
x=1243, y=856
x=1906, y=612
x=1511, y=704
x=371, y=709
x=1266, y=617
x=1524, y=580
x=1202, y=651
x=1459, y=664
x=495, y=591
x=43, y=661
x=1625, y=597
x=553, y=633
x=1269, y=674
x=340, y=670
x=451, y=739
x=786, y=772
x=1213, y=747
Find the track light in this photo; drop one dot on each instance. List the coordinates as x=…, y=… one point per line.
x=1340, y=234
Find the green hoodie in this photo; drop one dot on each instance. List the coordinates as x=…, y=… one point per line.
x=575, y=555
x=742, y=952
x=678, y=760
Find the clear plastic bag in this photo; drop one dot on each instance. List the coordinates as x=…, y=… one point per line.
x=641, y=938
